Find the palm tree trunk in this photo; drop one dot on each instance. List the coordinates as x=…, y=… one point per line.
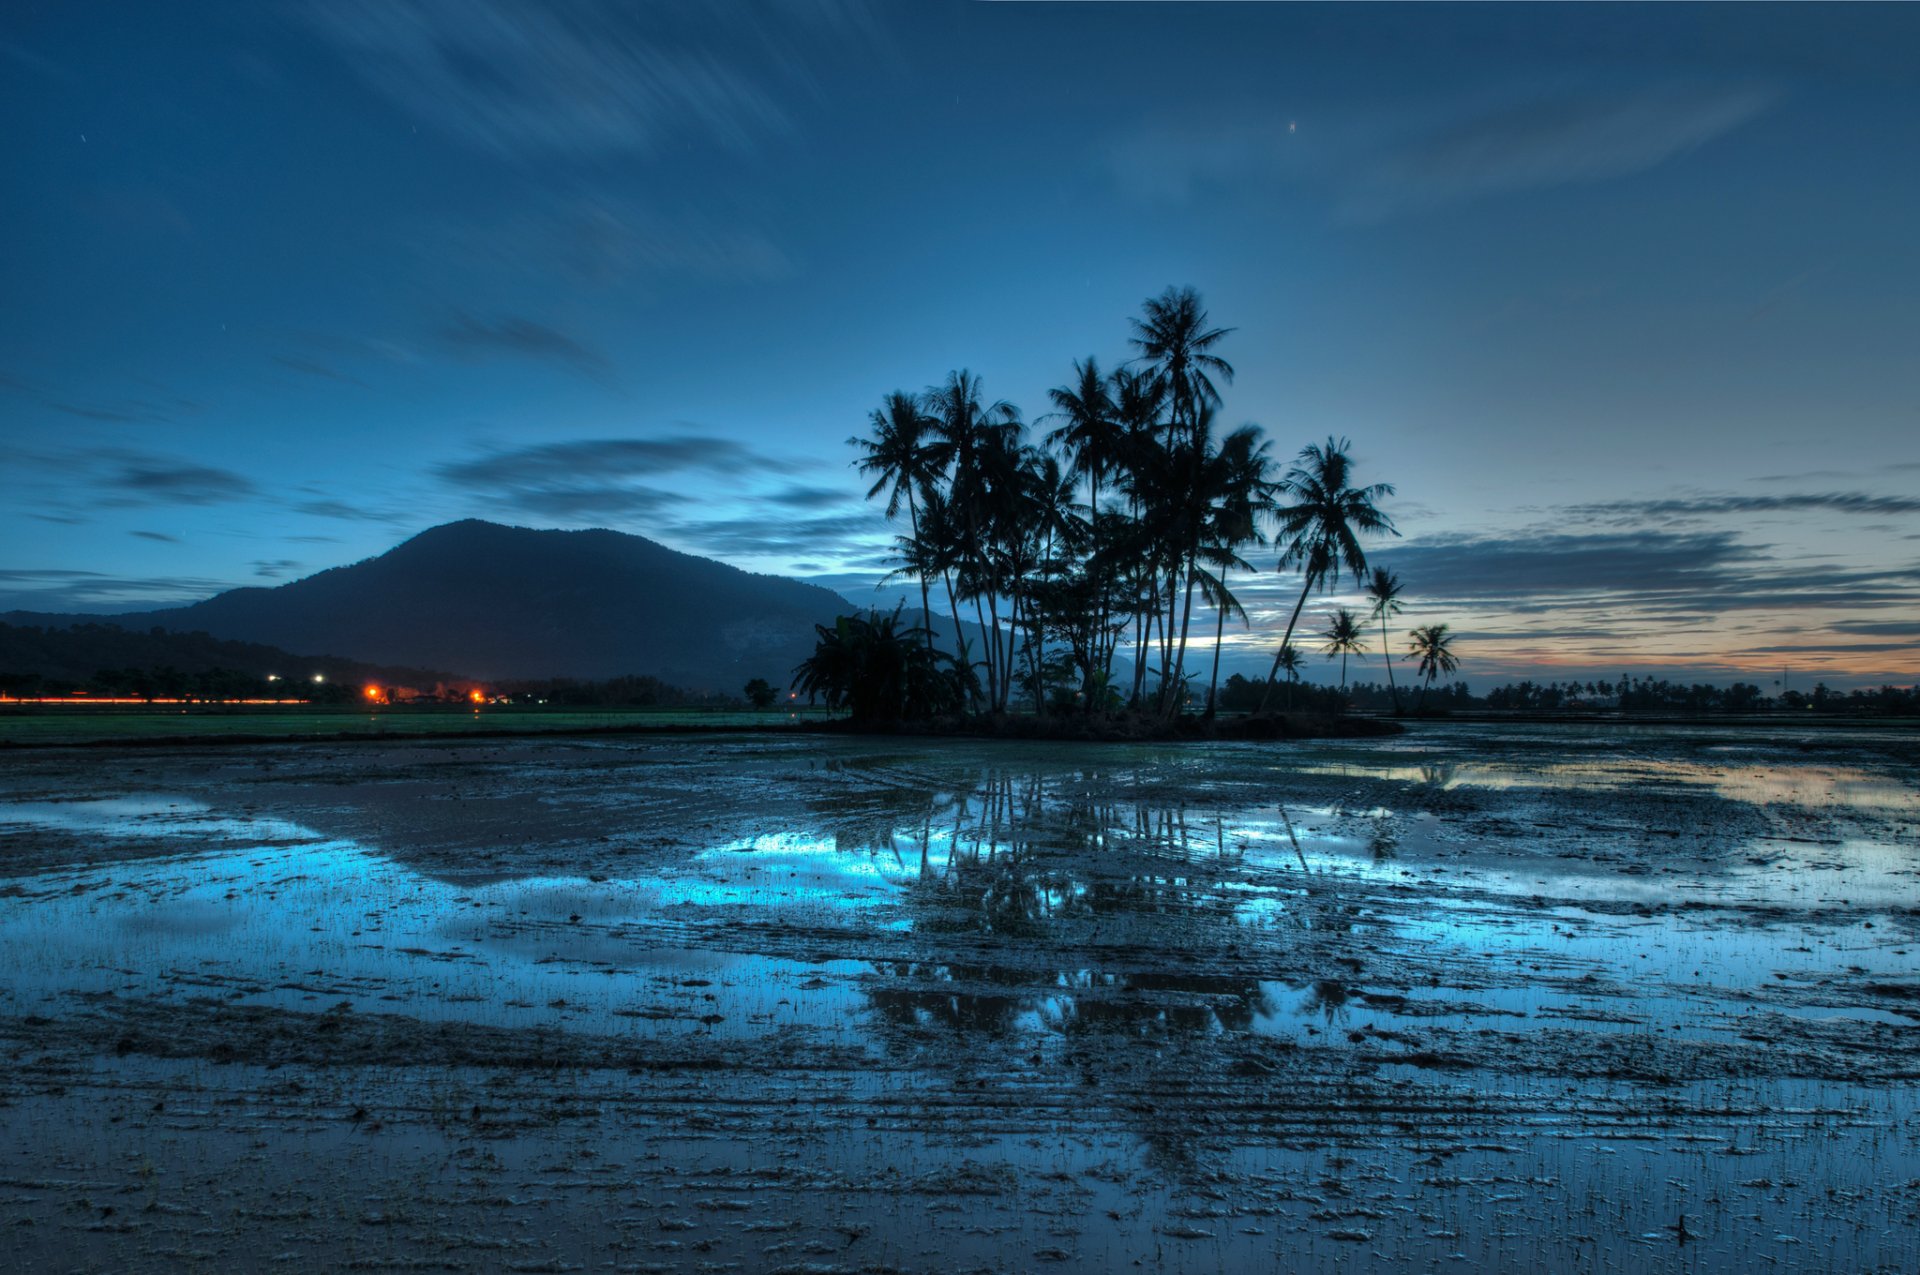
x=959, y=634
x=926, y=605
x=1287, y=637
x=1386, y=653
x=1219, y=633
x=986, y=639
x=1180, y=658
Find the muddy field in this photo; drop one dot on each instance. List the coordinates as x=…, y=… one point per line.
x=1559, y=998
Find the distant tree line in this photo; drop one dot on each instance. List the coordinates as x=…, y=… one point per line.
x=629, y=691
x=1098, y=539
x=155, y=663
x=1643, y=695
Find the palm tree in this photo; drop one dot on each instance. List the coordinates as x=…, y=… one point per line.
x=1431, y=645
x=1320, y=531
x=876, y=669
x=1092, y=431
x=1383, y=588
x=1344, y=638
x=1177, y=345
x=1239, y=493
x=1292, y=661
x=901, y=458
x=964, y=433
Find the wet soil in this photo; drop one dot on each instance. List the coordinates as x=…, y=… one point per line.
x=1472, y=997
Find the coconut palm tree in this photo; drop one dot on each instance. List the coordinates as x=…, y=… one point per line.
x=970, y=443
x=876, y=669
x=1090, y=432
x=900, y=458
x=1320, y=531
x=1383, y=590
x=1292, y=661
x=1431, y=646
x=1344, y=638
x=1177, y=346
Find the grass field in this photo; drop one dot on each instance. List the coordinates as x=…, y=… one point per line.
x=74, y=724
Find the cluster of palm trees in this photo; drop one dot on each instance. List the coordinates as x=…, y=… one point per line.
x=1099, y=537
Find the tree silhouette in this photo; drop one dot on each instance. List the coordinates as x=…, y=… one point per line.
x=1343, y=638
x=1383, y=591
x=901, y=460
x=1172, y=501
x=875, y=669
x=1431, y=646
x=1177, y=346
x=1292, y=662
x=1320, y=531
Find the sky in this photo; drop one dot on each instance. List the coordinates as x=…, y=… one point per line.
x=1624, y=301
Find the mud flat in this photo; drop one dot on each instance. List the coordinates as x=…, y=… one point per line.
x=1469, y=998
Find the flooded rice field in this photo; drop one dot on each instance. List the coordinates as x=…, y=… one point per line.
x=1471, y=998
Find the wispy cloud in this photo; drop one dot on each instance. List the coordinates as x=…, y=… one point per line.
x=1690, y=507
x=1654, y=574
x=597, y=77
x=832, y=536
x=309, y=367
x=606, y=478
x=599, y=239
x=1559, y=141
x=96, y=591
x=140, y=479
x=520, y=337
x=1372, y=167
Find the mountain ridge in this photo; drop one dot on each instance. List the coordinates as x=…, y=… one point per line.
x=500, y=602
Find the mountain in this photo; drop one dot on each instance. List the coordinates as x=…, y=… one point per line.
x=500, y=602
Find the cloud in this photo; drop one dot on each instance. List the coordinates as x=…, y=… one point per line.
x=340, y=509
x=160, y=481
x=798, y=497
x=1489, y=567
x=274, y=568
x=834, y=536
x=1654, y=575
x=95, y=591
x=526, y=339
x=592, y=502
x=1372, y=166
x=1880, y=628
x=596, y=78
x=605, y=477
x=321, y=370
x=1562, y=141
x=610, y=458
x=97, y=413
x=1685, y=507
x=600, y=240
x=1169, y=162
x=160, y=536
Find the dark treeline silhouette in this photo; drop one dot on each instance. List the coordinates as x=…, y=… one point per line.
x=156, y=663
x=1099, y=539
x=634, y=690
x=1624, y=694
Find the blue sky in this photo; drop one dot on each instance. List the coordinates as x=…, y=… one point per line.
x=1623, y=300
